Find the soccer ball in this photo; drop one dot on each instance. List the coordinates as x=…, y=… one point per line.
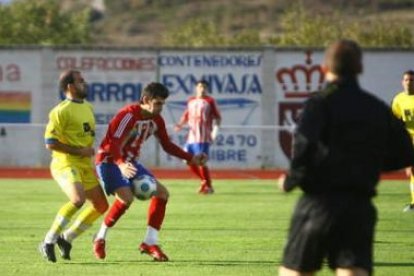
x=144, y=187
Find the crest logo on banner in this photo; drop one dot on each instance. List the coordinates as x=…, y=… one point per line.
x=297, y=82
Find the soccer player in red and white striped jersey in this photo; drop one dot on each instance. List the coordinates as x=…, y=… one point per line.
x=117, y=165
x=203, y=119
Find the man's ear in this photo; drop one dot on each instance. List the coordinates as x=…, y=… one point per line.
x=324, y=68
x=70, y=87
x=145, y=100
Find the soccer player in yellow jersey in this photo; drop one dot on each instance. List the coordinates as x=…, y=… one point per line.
x=403, y=108
x=70, y=135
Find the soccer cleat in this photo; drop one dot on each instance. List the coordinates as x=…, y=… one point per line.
x=48, y=251
x=64, y=247
x=99, y=248
x=154, y=251
x=206, y=190
x=409, y=208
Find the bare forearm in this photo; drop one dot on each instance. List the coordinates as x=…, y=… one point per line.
x=218, y=122
x=64, y=148
x=179, y=125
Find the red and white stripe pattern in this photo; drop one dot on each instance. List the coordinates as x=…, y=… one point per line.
x=200, y=120
x=122, y=125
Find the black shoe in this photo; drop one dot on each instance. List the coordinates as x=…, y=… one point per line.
x=48, y=251
x=64, y=247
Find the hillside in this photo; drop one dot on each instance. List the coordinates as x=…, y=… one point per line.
x=144, y=22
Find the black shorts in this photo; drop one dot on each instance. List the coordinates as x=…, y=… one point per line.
x=337, y=227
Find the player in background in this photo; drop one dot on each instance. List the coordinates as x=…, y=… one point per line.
x=403, y=108
x=203, y=119
x=117, y=164
x=70, y=135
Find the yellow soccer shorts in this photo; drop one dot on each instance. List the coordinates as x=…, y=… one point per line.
x=69, y=173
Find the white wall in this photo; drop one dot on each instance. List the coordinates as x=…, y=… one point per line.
x=255, y=88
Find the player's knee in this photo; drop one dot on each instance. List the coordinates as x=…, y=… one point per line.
x=284, y=271
x=354, y=271
x=127, y=199
x=78, y=201
x=102, y=207
x=125, y=195
x=162, y=192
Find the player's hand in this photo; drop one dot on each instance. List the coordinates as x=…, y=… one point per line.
x=127, y=169
x=281, y=182
x=177, y=128
x=214, y=132
x=203, y=159
x=87, y=152
x=199, y=159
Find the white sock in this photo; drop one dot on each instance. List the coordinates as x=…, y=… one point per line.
x=75, y=230
x=102, y=232
x=51, y=237
x=151, y=237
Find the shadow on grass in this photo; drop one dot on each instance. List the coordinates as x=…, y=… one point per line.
x=390, y=242
x=225, y=263
x=207, y=263
x=175, y=263
x=384, y=264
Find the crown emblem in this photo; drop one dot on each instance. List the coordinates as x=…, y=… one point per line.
x=299, y=80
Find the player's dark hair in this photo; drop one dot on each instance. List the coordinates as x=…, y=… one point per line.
x=409, y=72
x=67, y=77
x=203, y=82
x=344, y=58
x=155, y=90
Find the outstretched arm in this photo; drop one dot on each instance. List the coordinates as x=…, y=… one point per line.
x=55, y=145
x=167, y=145
x=182, y=122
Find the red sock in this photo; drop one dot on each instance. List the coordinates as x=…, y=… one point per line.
x=196, y=169
x=205, y=175
x=156, y=212
x=117, y=209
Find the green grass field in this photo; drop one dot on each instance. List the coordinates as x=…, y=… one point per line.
x=240, y=230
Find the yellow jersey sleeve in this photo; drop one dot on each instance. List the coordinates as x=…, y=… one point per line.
x=54, y=127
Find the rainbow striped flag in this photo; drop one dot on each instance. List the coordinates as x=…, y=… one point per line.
x=15, y=106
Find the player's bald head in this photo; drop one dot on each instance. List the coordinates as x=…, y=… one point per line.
x=344, y=58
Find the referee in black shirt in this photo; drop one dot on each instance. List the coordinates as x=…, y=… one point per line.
x=345, y=138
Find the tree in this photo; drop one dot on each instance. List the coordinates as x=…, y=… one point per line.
x=42, y=23
x=299, y=28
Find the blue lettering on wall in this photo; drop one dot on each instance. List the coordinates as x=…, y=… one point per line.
x=118, y=92
x=221, y=84
x=229, y=140
x=226, y=155
x=238, y=140
x=112, y=92
x=226, y=147
x=242, y=60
